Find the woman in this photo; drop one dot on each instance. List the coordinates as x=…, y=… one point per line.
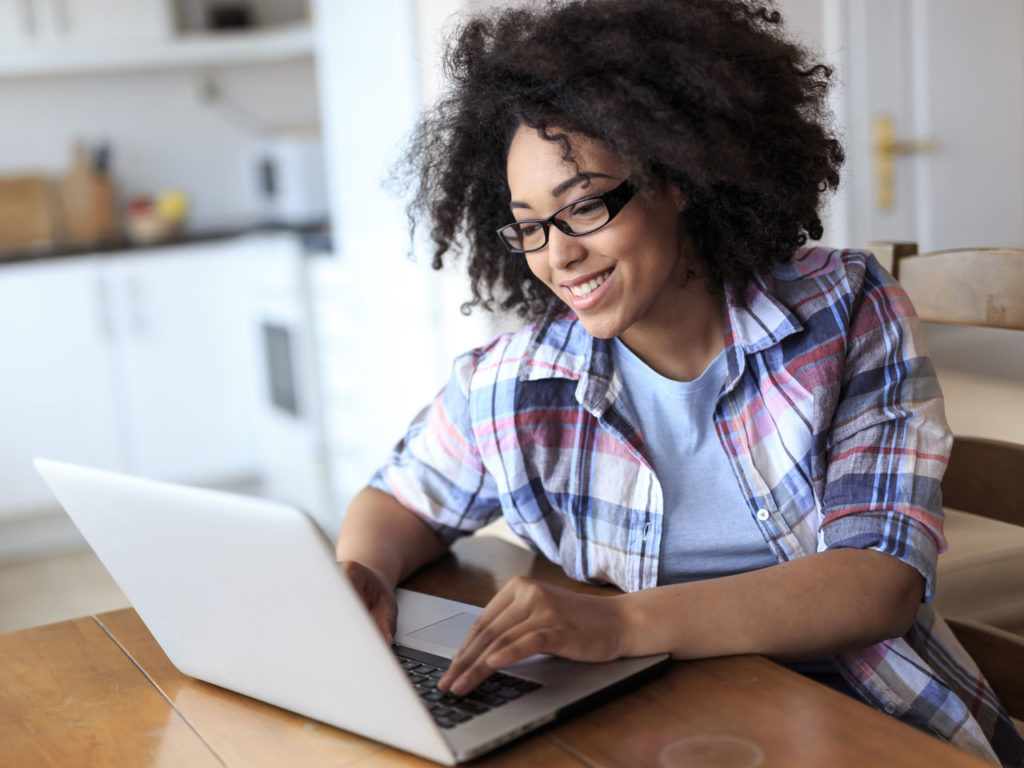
x=743, y=434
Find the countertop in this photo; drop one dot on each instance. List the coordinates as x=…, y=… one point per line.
x=316, y=238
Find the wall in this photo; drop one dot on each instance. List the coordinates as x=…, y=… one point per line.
x=162, y=133
x=388, y=325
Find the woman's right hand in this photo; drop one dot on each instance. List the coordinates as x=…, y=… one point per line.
x=376, y=594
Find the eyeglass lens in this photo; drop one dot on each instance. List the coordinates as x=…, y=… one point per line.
x=577, y=218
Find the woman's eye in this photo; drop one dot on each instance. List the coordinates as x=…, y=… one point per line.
x=526, y=230
x=587, y=208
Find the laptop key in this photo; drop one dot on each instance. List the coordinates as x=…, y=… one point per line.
x=486, y=698
x=472, y=707
x=524, y=685
x=448, y=710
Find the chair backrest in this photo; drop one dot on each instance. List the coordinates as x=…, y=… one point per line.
x=986, y=478
x=978, y=287
x=969, y=286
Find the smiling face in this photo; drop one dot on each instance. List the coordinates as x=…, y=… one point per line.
x=622, y=280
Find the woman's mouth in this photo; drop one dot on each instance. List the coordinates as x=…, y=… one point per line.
x=583, y=290
x=588, y=293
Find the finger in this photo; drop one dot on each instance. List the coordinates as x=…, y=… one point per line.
x=473, y=664
x=495, y=619
x=526, y=645
x=514, y=646
x=470, y=655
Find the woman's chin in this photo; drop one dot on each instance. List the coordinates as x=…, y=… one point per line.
x=600, y=328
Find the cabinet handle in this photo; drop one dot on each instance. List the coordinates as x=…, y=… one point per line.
x=106, y=322
x=135, y=302
x=28, y=17
x=63, y=16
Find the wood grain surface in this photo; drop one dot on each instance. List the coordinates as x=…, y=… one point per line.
x=70, y=697
x=100, y=692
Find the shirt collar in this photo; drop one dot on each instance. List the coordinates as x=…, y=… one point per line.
x=561, y=348
x=755, y=320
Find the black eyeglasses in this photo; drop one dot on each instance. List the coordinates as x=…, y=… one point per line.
x=578, y=218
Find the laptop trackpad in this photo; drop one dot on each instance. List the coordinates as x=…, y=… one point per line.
x=447, y=632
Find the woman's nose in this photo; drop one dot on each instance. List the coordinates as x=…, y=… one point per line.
x=563, y=250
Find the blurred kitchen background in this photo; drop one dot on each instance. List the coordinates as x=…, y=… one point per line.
x=202, y=278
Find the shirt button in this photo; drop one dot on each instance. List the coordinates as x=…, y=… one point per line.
x=889, y=707
x=762, y=514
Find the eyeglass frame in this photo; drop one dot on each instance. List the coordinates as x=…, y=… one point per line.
x=614, y=200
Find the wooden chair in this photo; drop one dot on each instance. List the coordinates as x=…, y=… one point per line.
x=986, y=478
x=980, y=588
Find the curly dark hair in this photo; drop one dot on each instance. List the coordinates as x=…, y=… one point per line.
x=706, y=95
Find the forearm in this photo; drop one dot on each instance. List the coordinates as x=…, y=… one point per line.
x=815, y=606
x=382, y=534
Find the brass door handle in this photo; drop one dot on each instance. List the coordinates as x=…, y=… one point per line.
x=885, y=149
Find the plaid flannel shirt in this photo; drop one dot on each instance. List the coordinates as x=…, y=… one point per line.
x=831, y=416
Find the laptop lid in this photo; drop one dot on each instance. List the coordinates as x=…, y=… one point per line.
x=245, y=594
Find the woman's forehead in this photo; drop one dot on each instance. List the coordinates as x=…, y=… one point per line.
x=539, y=164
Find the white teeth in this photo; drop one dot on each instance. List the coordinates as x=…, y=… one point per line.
x=584, y=289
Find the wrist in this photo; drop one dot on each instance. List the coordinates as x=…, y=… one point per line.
x=636, y=637
x=385, y=573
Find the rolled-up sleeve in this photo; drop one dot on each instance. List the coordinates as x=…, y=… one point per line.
x=435, y=470
x=889, y=441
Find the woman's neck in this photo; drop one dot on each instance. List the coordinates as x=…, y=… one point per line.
x=681, y=338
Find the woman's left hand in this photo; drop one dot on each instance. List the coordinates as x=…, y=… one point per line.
x=527, y=617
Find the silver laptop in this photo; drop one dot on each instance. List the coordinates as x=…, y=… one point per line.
x=245, y=593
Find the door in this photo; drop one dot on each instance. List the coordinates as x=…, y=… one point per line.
x=949, y=73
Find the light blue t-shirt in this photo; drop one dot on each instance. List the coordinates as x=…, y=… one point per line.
x=707, y=530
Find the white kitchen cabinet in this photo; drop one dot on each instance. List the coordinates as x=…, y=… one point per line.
x=58, y=390
x=17, y=24
x=31, y=46
x=29, y=23
x=92, y=22
x=142, y=363
x=184, y=347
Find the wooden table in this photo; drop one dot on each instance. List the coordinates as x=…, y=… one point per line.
x=98, y=691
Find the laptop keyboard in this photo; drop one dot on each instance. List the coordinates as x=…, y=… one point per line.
x=425, y=669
